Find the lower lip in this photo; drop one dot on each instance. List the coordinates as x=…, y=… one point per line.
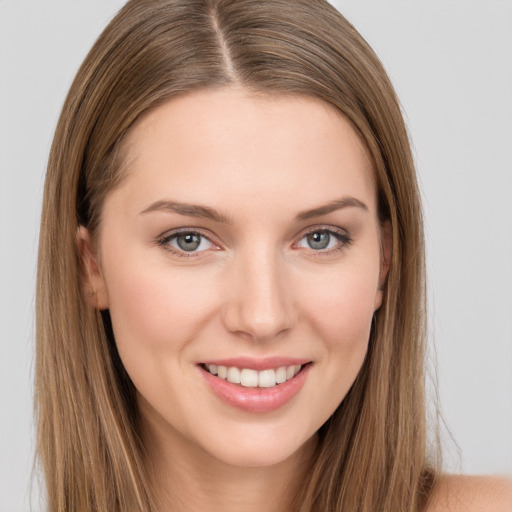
x=256, y=399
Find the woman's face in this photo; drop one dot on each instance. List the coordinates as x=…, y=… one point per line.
x=243, y=242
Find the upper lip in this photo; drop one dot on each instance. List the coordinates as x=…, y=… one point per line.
x=265, y=363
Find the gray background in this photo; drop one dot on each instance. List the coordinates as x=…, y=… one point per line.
x=451, y=62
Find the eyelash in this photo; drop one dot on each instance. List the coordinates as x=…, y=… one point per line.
x=343, y=238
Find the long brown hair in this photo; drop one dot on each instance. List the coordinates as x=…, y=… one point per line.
x=372, y=453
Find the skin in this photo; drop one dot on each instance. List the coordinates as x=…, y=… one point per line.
x=457, y=493
x=254, y=288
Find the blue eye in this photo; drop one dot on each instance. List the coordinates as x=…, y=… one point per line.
x=323, y=240
x=187, y=241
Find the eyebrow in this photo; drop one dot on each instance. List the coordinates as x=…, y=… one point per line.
x=190, y=210
x=194, y=210
x=330, y=207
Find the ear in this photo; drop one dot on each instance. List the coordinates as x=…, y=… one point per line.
x=385, y=260
x=95, y=288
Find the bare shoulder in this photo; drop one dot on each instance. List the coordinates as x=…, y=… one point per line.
x=460, y=493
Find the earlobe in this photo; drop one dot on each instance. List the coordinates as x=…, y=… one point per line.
x=94, y=286
x=385, y=260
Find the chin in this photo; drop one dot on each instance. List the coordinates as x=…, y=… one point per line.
x=259, y=448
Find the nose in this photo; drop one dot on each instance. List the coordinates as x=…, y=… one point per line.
x=260, y=299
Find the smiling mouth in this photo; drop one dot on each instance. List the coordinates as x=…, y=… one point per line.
x=250, y=378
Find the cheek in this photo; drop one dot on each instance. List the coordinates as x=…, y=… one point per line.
x=156, y=314
x=341, y=316
x=155, y=310
x=342, y=310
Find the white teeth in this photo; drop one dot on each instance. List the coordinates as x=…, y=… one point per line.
x=212, y=368
x=281, y=375
x=267, y=379
x=249, y=378
x=234, y=375
x=253, y=378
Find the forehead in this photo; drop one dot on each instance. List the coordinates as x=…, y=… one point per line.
x=228, y=142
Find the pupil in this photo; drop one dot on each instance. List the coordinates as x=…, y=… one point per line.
x=318, y=240
x=189, y=242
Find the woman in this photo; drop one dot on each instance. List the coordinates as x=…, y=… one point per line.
x=231, y=278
